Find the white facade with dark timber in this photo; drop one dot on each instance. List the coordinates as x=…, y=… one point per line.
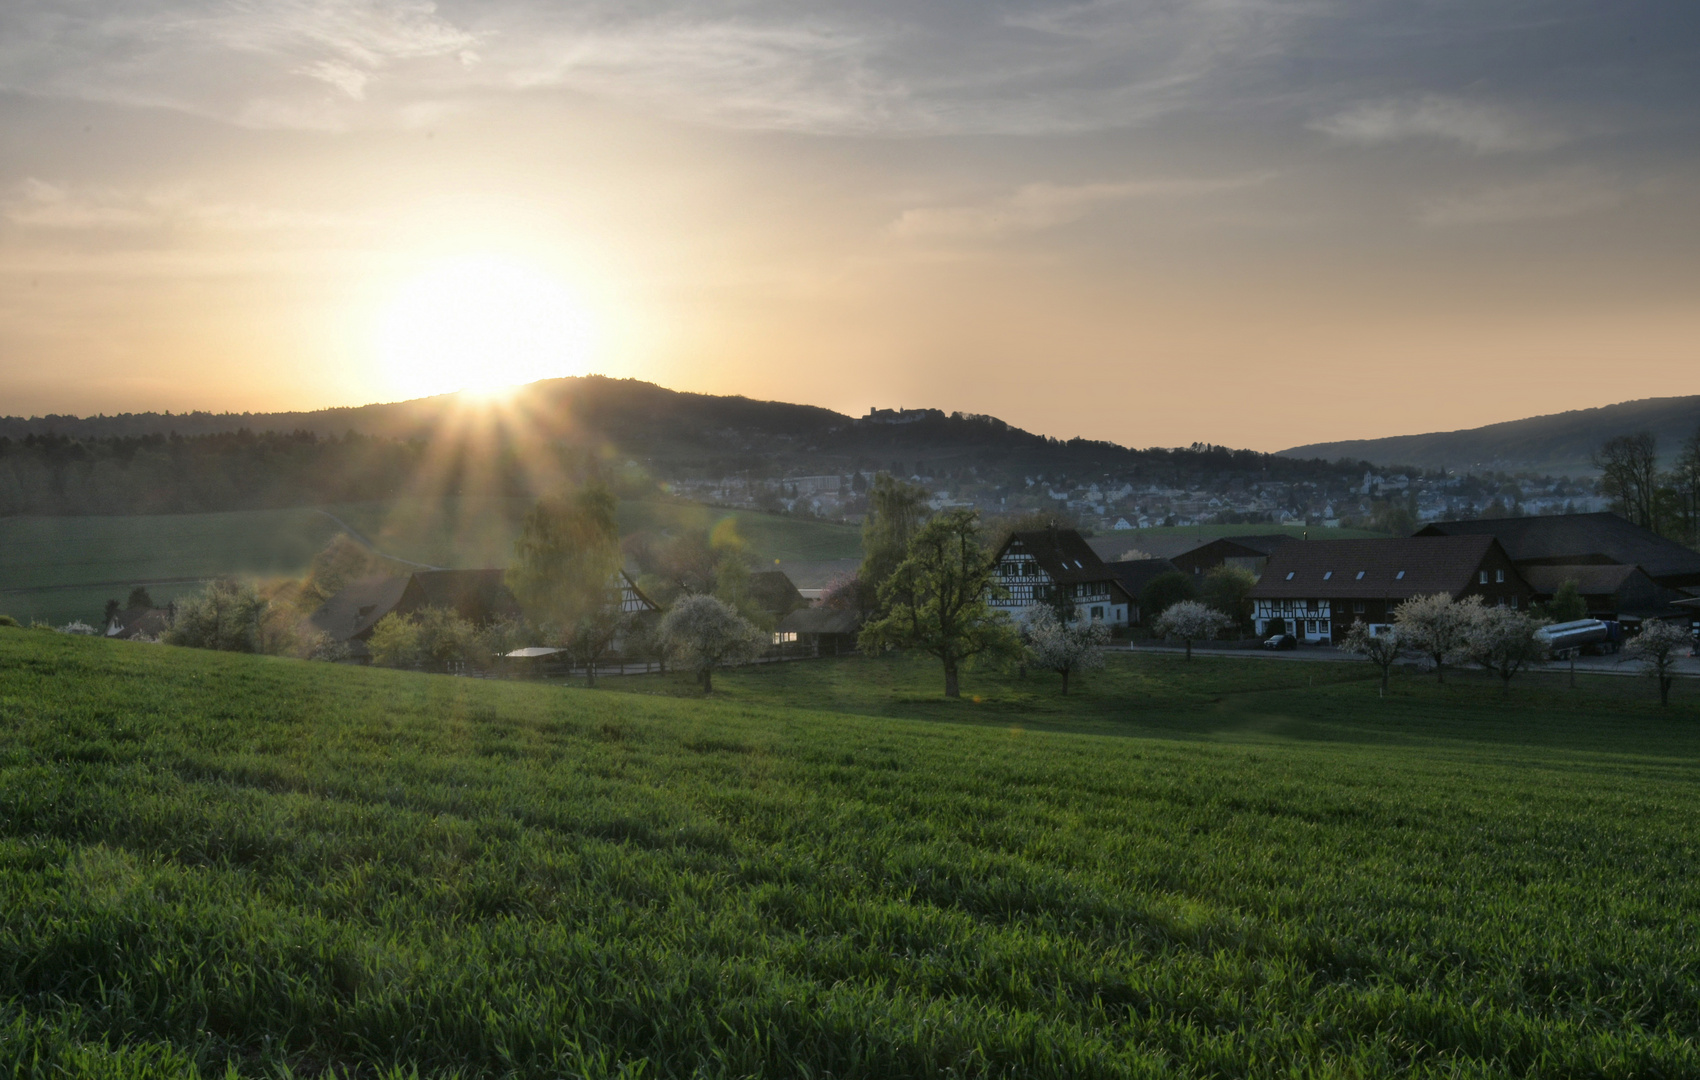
x=1046, y=566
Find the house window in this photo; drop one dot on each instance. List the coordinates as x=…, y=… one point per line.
x=1323, y=626
x=1358, y=607
x=1097, y=613
x=1481, y=578
x=1310, y=626
x=1513, y=603
x=784, y=637
x=1499, y=576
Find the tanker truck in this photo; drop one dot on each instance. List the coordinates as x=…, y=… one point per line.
x=1592, y=636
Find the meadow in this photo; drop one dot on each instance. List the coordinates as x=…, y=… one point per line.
x=214, y=864
x=61, y=568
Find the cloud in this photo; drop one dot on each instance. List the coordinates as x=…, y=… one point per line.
x=1035, y=207
x=1486, y=129
x=1562, y=195
x=37, y=204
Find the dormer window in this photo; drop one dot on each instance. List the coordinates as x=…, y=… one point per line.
x=1400, y=576
x=1360, y=576
x=1326, y=574
x=1289, y=575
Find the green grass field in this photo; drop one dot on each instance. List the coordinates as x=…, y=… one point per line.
x=61, y=568
x=224, y=864
x=1204, y=533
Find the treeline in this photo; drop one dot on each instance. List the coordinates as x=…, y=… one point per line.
x=1667, y=502
x=168, y=474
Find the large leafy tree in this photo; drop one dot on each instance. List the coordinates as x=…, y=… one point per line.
x=896, y=511
x=566, y=571
x=1189, y=621
x=935, y=600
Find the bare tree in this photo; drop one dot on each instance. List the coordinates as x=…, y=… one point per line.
x=1060, y=647
x=1503, y=641
x=1383, y=649
x=1629, y=473
x=1658, y=646
x=1190, y=620
x=1685, y=479
x=1437, y=626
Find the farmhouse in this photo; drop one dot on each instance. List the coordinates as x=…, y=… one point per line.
x=1133, y=575
x=1046, y=566
x=478, y=596
x=819, y=631
x=1316, y=589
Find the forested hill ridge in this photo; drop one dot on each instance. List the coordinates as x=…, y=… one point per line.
x=675, y=435
x=1557, y=444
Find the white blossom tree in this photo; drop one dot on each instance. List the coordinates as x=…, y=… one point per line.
x=704, y=632
x=1438, y=627
x=1057, y=646
x=1658, y=646
x=1189, y=621
x=1383, y=649
x=1503, y=640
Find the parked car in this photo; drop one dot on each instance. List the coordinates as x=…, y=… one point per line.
x=1282, y=641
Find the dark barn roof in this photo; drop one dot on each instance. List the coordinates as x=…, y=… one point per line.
x=819, y=620
x=1062, y=553
x=1373, y=569
x=775, y=592
x=355, y=609
x=1580, y=538
x=1135, y=574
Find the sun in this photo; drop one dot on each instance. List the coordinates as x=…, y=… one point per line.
x=480, y=324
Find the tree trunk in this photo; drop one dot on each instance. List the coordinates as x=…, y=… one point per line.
x=1385, y=673
x=1572, y=671
x=1439, y=670
x=590, y=675
x=1189, y=648
x=1664, y=689
x=708, y=680
x=951, y=690
x=1065, y=682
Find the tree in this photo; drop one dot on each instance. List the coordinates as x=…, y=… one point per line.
x=1437, y=626
x=112, y=610
x=1685, y=481
x=1503, y=640
x=1189, y=620
x=1061, y=647
x=1164, y=591
x=225, y=615
x=1567, y=603
x=139, y=598
x=1383, y=649
x=1226, y=588
x=703, y=633
x=1658, y=646
x=394, y=642
x=935, y=600
x=566, y=572
x=896, y=511
x=1629, y=473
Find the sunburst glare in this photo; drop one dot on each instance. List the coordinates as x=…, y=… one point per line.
x=480, y=324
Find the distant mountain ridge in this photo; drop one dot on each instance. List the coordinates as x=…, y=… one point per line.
x=1557, y=443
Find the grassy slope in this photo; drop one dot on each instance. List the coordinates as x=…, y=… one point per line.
x=57, y=569
x=1204, y=870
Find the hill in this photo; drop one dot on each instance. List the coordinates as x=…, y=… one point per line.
x=682, y=435
x=1557, y=444
x=214, y=862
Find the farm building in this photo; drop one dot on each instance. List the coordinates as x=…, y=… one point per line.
x=1047, y=565
x=1133, y=575
x=1316, y=589
x=1612, y=591
x=1246, y=552
x=818, y=631
x=1580, y=540
x=774, y=592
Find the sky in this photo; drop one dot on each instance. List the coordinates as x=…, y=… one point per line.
x=1256, y=223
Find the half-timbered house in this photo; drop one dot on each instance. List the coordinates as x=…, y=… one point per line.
x=1057, y=567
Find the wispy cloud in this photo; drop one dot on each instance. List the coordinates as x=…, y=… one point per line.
x=1562, y=195
x=1486, y=129
x=1035, y=207
x=37, y=204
